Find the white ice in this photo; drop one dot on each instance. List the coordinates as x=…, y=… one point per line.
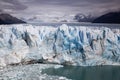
x=67, y=45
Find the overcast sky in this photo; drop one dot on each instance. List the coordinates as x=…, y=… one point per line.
x=24, y=8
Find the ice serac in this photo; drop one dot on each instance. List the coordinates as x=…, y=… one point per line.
x=67, y=45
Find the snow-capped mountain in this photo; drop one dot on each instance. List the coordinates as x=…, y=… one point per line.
x=67, y=45
x=83, y=18
x=51, y=18
x=59, y=18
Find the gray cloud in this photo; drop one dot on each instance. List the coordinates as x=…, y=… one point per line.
x=11, y=5
x=33, y=7
x=107, y=4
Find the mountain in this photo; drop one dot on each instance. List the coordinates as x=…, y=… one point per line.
x=83, y=18
x=8, y=19
x=112, y=17
x=51, y=18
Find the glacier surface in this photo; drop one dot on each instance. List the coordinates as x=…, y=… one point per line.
x=67, y=45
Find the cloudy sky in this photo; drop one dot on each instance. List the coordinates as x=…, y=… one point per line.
x=25, y=8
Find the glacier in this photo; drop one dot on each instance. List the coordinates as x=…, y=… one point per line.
x=66, y=45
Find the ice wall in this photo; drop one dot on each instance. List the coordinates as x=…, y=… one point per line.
x=81, y=46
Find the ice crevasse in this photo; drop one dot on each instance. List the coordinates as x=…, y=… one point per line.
x=67, y=45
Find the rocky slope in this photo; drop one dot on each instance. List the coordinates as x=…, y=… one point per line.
x=112, y=17
x=8, y=19
x=81, y=46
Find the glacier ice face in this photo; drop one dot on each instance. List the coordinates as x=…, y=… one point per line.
x=67, y=45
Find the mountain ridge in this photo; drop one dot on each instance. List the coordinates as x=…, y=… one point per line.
x=111, y=17
x=9, y=19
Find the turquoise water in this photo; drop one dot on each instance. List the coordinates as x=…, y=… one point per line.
x=86, y=73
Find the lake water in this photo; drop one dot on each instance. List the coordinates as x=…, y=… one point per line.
x=79, y=24
x=86, y=73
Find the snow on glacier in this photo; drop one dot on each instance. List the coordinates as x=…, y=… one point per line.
x=67, y=45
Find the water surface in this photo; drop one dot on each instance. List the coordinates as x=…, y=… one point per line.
x=86, y=73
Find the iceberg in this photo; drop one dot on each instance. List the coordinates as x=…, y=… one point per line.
x=67, y=45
